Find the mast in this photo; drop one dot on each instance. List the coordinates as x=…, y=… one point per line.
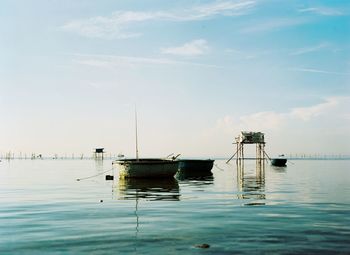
x=137, y=150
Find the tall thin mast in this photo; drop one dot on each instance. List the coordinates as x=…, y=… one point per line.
x=137, y=150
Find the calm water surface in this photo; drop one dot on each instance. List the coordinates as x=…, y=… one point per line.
x=303, y=208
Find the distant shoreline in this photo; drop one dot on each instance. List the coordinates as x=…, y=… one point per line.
x=215, y=158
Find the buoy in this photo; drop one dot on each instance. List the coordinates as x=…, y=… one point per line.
x=109, y=177
x=202, y=246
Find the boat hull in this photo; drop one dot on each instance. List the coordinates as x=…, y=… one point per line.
x=147, y=168
x=278, y=162
x=196, y=165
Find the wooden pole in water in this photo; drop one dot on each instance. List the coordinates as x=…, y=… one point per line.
x=137, y=150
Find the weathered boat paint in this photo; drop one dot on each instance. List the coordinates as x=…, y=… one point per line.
x=147, y=168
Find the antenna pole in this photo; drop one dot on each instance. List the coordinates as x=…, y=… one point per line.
x=137, y=150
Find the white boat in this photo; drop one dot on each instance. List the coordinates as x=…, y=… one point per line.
x=147, y=168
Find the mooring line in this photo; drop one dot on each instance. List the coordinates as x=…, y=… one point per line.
x=221, y=169
x=80, y=179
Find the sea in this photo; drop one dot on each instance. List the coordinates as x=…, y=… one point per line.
x=68, y=207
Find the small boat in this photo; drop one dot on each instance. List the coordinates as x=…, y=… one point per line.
x=280, y=161
x=196, y=166
x=147, y=168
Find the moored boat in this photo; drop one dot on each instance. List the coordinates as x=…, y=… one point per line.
x=147, y=168
x=196, y=165
x=279, y=161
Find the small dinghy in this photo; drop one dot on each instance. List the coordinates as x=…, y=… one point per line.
x=280, y=161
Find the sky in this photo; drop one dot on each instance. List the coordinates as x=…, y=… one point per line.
x=198, y=72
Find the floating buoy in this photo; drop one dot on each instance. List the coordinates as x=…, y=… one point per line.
x=109, y=177
x=202, y=246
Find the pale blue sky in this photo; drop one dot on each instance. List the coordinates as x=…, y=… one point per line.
x=198, y=71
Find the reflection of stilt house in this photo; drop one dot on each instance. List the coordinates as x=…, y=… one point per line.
x=252, y=187
x=98, y=153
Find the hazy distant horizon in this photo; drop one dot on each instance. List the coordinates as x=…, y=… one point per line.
x=199, y=72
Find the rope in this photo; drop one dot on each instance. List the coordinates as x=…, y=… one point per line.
x=234, y=154
x=221, y=169
x=80, y=179
x=267, y=155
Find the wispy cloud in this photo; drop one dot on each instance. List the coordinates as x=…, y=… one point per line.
x=261, y=120
x=114, y=61
x=265, y=121
x=114, y=26
x=310, y=49
x=325, y=11
x=248, y=54
x=311, y=70
x=193, y=48
x=226, y=8
x=306, y=113
x=107, y=27
x=274, y=24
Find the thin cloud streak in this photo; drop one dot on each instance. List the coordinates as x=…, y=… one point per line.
x=309, y=49
x=114, y=26
x=273, y=25
x=226, y=8
x=110, y=61
x=324, y=11
x=311, y=70
x=193, y=48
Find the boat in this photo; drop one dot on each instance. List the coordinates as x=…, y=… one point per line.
x=195, y=166
x=147, y=168
x=280, y=161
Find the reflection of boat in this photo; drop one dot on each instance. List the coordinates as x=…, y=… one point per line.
x=151, y=189
x=147, y=168
x=145, y=189
x=193, y=175
x=280, y=161
x=196, y=166
x=193, y=180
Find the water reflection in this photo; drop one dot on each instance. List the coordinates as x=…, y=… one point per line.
x=195, y=179
x=99, y=166
x=251, y=183
x=149, y=189
x=279, y=169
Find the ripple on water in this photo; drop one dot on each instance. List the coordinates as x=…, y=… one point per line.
x=297, y=210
